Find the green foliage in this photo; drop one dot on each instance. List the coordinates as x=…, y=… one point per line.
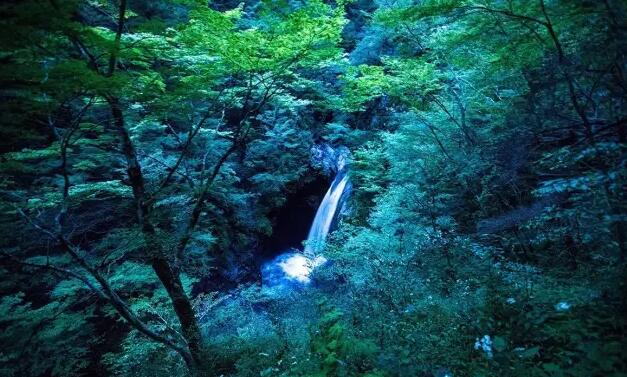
x=51, y=339
x=338, y=352
x=368, y=168
x=328, y=344
x=414, y=81
x=486, y=231
x=362, y=84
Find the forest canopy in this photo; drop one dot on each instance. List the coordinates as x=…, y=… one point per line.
x=366, y=188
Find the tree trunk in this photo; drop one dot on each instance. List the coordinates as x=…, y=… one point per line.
x=171, y=280
x=561, y=58
x=169, y=276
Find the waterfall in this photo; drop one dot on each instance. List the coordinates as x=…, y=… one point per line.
x=324, y=216
x=292, y=267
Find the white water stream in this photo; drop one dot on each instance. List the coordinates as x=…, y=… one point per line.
x=324, y=216
x=295, y=266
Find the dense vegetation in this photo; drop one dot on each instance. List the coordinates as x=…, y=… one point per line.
x=149, y=148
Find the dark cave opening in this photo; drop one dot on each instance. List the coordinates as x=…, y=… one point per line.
x=292, y=221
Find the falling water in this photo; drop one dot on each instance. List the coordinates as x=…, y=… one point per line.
x=324, y=216
x=295, y=267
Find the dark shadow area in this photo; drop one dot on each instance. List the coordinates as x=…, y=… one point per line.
x=293, y=220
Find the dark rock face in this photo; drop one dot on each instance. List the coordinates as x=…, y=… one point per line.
x=329, y=159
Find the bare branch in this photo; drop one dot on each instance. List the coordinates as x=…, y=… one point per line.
x=108, y=292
